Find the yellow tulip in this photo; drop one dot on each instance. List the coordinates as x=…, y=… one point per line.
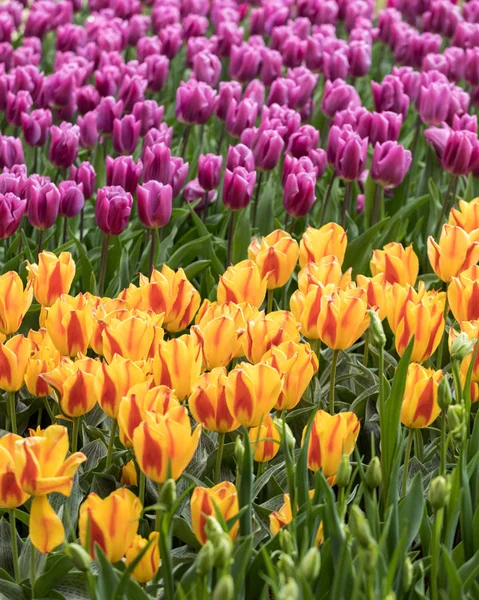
x=14, y=302
x=267, y=331
x=52, y=277
x=11, y=493
x=220, y=341
x=178, y=364
x=14, y=357
x=467, y=216
x=456, y=251
x=315, y=244
x=276, y=256
x=463, y=295
x=146, y=569
x=70, y=324
x=206, y=502
x=420, y=407
x=396, y=263
x=265, y=440
x=242, y=282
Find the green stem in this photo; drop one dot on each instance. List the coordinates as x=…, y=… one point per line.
x=32, y=570
x=49, y=409
x=447, y=204
x=457, y=381
x=39, y=241
x=230, y=238
x=158, y=512
x=13, y=535
x=407, y=456
x=141, y=487
x=151, y=264
x=256, y=198
x=443, y=449
x=378, y=206
x=382, y=398
x=440, y=350
x=165, y=554
x=366, y=349
x=76, y=423
x=346, y=202
x=111, y=443
x=65, y=229
x=12, y=411
x=219, y=456
x=332, y=382
x=326, y=199
x=435, y=550
x=270, y=302
x=103, y=263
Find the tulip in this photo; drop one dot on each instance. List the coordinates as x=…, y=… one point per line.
x=335, y=65
x=339, y=96
x=207, y=68
x=88, y=126
x=382, y=127
x=42, y=468
x=220, y=341
x=205, y=502
x=73, y=383
x=306, y=306
x=295, y=166
x=64, y=145
x=14, y=356
x=177, y=364
x=240, y=313
x=131, y=337
x=299, y=194
x=240, y=116
x=36, y=126
x=154, y=204
x=106, y=112
x=265, y=440
x=327, y=270
x=228, y=91
x=276, y=254
x=162, y=134
x=128, y=474
x=141, y=399
x=12, y=209
x=434, y=104
x=51, y=277
x=70, y=324
x=347, y=152
x=156, y=71
x=297, y=364
x=14, y=302
x=11, y=493
x=251, y=392
x=148, y=565
x=126, y=132
x=85, y=175
x=209, y=171
x=112, y=209
x=122, y=171
x=467, y=216
x=11, y=152
x=457, y=151
x=396, y=263
x=96, y=527
x=420, y=407
x=391, y=162
x=463, y=295
x=18, y=104
x=245, y=62
x=267, y=146
x=149, y=114
x=242, y=283
x=42, y=361
x=315, y=244
x=71, y=198
x=282, y=517
x=330, y=438
x=195, y=102
x=164, y=444
x=268, y=331
x=303, y=140
x=389, y=95
x=43, y=203
x=455, y=252
x=156, y=166
x=238, y=187
x=132, y=90
x=240, y=156
x=87, y=98
x=207, y=402
x=374, y=288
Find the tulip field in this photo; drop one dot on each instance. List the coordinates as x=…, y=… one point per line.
x=239, y=300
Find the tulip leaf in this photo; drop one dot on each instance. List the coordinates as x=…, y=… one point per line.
x=245, y=491
x=58, y=565
x=358, y=251
x=242, y=235
x=187, y=251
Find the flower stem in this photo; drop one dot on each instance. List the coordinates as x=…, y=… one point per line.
x=270, y=302
x=366, y=349
x=440, y=350
x=151, y=264
x=82, y=223
x=448, y=202
x=76, y=423
x=184, y=143
x=65, y=229
x=111, y=443
x=407, y=456
x=378, y=206
x=230, y=238
x=435, y=550
x=327, y=197
x=442, y=468
x=13, y=535
x=219, y=456
x=39, y=241
x=256, y=198
x=332, y=382
x=33, y=570
x=49, y=409
x=12, y=410
x=346, y=202
x=103, y=262
x=141, y=487
x=158, y=512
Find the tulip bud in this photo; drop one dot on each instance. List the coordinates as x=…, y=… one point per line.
x=444, y=397
x=344, y=471
x=461, y=347
x=224, y=589
x=213, y=529
x=290, y=439
x=376, y=330
x=286, y=542
x=205, y=559
x=239, y=450
x=311, y=565
x=223, y=551
x=289, y=591
x=373, y=473
x=455, y=417
x=286, y=564
x=360, y=527
x=407, y=574
x=438, y=493
x=80, y=557
x=167, y=495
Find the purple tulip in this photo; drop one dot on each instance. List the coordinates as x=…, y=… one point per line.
x=106, y=112
x=335, y=65
x=156, y=163
x=87, y=99
x=255, y=91
x=471, y=67
x=228, y=91
x=209, y=171
x=245, y=62
x=391, y=162
x=163, y=134
x=389, y=95
x=240, y=156
x=72, y=198
x=11, y=152
x=63, y=149
x=43, y=201
x=465, y=122
x=132, y=90
x=148, y=114
x=298, y=196
x=88, y=130
x=240, y=116
x=155, y=202
x=319, y=159
x=171, y=40
x=347, y=152
x=178, y=174
x=293, y=51
x=359, y=58
x=238, y=186
x=36, y=126
x=281, y=91
x=122, y=171
x=193, y=192
x=14, y=181
x=12, y=209
x=456, y=61
x=195, y=102
x=17, y=105
x=284, y=120
x=228, y=35
x=85, y=176
x=303, y=140
x=271, y=66
x=112, y=209
x=383, y=127
x=294, y=166
x=60, y=88
x=156, y=71
x=126, y=132
x=194, y=26
x=207, y=68
x=267, y=146
x=338, y=96
x=435, y=101
x=458, y=151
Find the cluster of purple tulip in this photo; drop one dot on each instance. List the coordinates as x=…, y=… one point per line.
x=78, y=75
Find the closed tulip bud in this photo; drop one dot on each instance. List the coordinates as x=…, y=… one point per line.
x=12, y=209
x=160, y=462
x=64, y=145
x=122, y=171
x=213, y=529
x=205, y=559
x=70, y=324
x=240, y=116
x=51, y=277
x=438, y=493
x=156, y=71
x=220, y=341
x=306, y=306
x=317, y=243
x=195, y=102
x=245, y=62
x=344, y=471
x=11, y=493
x=228, y=91
x=242, y=283
x=156, y=161
x=207, y=502
x=130, y=336
x=268, y=331
x=71, y=198
x=420, y=406
x=378, y=337
x=14, y=302
x=349, y=151
x=11, y=152
x=18, y=105
x=455, y=418
x=310, y=565
x=359, y=526
x=339, y=96
x=435, y=100
x=36, y=126
x=149, y=114
x=80, y=558
x=209, y=171
x=265, y=440
x=373, y=473
x=331, y=437
x=106, y=112
x=251, y=392
x=398, y=264
x=88, y=130
x=299, y=194
x=42, y=468
x=391, y=162
x=155, y=202
x=389, y=95
x=240, y=156
x=287, y=567
x=167, y=495
x=225, y=588
x=112, y=209
x=148, y=565
x=444, y=396
x=93, y=523
x=238, y=187
x=461, y=347
x=14, y=355
x=87, y=98
x=177, y=364
x=129, y=476
x=407, y=574
x=85, y=175
x=43, y=203
x=267, y=146
x=456, y=252
x=126, y=132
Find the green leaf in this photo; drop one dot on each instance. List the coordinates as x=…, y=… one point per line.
x=245, y=497
x=242, y=235
x=411, y=510
x=359, y=250
x=58, y=565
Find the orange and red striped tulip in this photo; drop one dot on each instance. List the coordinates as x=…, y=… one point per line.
x=242, y=282
x=14, y=302
x=113, y=381
x=398, y=296
x=43, y=361
x=297, y=364
x=131, y=337
x=11, y=493
x=376, y=296
x=70, y=324
x=456, y=251
x=276, y=256
x=164, y=444
x=331, y=437
x=148, y=565
x=128, y=474
x=306, y=307
x=177, y=364
x=419, y=405
x=240, y=313
x=207, y=402
x=205, y=502
x=14, y=357
x=102, y=315
x=331, y=239
x=327, y=270
x=282, y=517
x=343, y=318
x=220, y=341
x=52, y=277
x=467, y=216
x=463, y=295
x=265, y=440
x=471, y=329
x=396, y=263
x=112, y=523
x=251, y=392
x=267, y=331
x=139, y=400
